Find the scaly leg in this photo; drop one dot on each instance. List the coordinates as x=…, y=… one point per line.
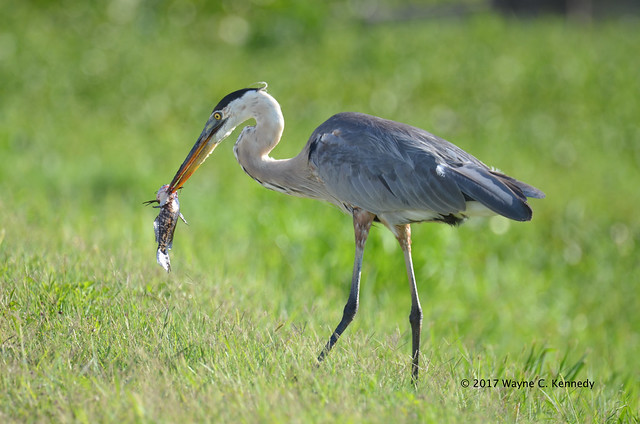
x=361, y=224
x=415, y=317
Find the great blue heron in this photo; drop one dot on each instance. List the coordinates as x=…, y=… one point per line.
x=371, y=168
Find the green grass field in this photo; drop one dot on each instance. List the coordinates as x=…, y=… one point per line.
x=99, y=106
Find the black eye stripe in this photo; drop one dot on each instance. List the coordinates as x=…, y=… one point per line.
x=233, y=96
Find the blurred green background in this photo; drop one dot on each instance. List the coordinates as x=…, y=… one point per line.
x=101, y=101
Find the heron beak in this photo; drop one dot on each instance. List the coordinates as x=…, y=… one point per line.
x=205, y=144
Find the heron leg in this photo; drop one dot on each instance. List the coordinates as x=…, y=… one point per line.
x=361, y=224
x=415, y=317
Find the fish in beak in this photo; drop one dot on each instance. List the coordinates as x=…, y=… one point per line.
x=206, y=143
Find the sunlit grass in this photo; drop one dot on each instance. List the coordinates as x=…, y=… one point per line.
x=99, y=107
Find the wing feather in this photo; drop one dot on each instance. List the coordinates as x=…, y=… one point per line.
x=386, y=167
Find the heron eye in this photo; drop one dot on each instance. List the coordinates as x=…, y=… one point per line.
x=217, y=116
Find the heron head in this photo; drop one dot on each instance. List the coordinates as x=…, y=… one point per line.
x=230, y=112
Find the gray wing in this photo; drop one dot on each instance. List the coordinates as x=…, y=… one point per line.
x=384, y=167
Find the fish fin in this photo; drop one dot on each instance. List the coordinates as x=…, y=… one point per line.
x=156, y=230
x=163, y=260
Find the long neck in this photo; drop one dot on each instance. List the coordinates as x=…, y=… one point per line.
x=290, y=176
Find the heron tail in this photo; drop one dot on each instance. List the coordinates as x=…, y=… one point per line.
x=502, y=194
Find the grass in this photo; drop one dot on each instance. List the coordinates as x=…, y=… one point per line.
x=100, y=104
